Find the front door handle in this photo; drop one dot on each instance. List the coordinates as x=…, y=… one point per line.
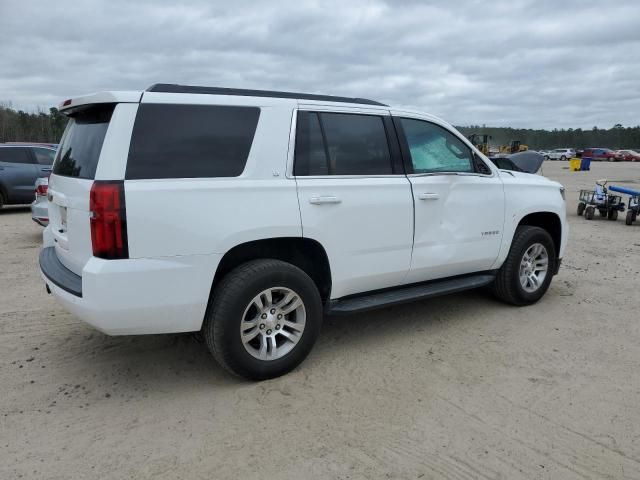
x=324, y=199
x=428, y=196
x=46, y=169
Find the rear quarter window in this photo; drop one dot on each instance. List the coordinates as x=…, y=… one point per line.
x=190, y=141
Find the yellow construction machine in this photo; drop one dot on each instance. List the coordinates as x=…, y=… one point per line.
x=480, y=141
x=515, y=147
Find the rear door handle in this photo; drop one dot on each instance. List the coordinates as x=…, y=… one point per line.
x=324, y=199
x=46, y=169
x=428, y=196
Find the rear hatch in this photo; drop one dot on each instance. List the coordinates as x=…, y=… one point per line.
x=70, y=183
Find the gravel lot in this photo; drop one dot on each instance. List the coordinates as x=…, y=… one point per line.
x=454, y=387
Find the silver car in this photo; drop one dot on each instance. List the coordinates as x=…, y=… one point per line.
x=39, y=208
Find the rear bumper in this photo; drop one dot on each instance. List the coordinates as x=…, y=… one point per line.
x=134, y=296
x=40, y=213
x=55, y=272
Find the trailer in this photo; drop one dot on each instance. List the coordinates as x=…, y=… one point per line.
x=633, y=205
x=600, y=199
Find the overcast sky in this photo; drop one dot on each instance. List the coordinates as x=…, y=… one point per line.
x=563, y=63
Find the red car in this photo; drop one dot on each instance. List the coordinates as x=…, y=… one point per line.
x=600, y=154
x=627, y=155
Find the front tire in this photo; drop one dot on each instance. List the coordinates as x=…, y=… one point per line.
x=526, y=273
x=581, y=207
x=263, y=320
x=563, y=158
x=612, y=214
x=589, y=213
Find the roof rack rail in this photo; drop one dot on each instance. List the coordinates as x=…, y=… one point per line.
x=174, y=88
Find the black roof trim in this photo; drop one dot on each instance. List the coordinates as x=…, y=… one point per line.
x=173, y=88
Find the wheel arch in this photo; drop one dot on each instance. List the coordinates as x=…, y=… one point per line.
x=548, y=221
x=307, y=254
x=4, y=192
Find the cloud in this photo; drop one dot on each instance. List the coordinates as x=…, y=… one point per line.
x=508, y=63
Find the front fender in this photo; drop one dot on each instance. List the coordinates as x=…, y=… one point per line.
x=522, y=199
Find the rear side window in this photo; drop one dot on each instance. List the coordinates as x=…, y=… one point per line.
x=44, y=156
x=191, y=141
x=311, y=155
x=15, y=155
x=82, y=141
x=341, y=144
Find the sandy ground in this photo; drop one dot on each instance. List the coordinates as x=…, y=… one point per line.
x=456, y=387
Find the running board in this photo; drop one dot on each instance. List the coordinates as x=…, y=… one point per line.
x=406, y=294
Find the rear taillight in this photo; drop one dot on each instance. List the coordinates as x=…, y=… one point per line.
x=108, y=220
x=41, y=190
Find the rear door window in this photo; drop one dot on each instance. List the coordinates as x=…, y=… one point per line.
x=15, y=155
x=82, y=141
x=44, y=156
x=341, y=144
x=191, y=141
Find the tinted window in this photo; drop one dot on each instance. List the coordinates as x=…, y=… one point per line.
x=434, y=149
x=44, y=156
x=191, y=141
x=82, y=141
x=15, y=155
x=341, y=144
x=311, y=158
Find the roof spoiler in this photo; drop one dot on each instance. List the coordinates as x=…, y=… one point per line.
x=71, y=105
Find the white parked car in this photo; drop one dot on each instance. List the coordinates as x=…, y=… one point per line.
x=561, y=154
x=247, y=215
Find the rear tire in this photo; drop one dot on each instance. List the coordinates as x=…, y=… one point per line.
x=2, y=200
x=629, y=219
x=233, y=316
x=589, y=213
x=508, y=285
x=613, y=215
x=581, y=207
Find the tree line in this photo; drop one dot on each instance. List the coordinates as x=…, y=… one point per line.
x=617, y=137
x=47, y=127
x=40, y=126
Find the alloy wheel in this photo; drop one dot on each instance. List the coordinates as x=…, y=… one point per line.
x=534, y=267
x=273, y=323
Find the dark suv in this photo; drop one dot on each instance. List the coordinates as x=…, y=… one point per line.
x=20, y=166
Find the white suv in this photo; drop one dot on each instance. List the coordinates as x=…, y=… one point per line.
x=247, y=215
x=560, y=154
